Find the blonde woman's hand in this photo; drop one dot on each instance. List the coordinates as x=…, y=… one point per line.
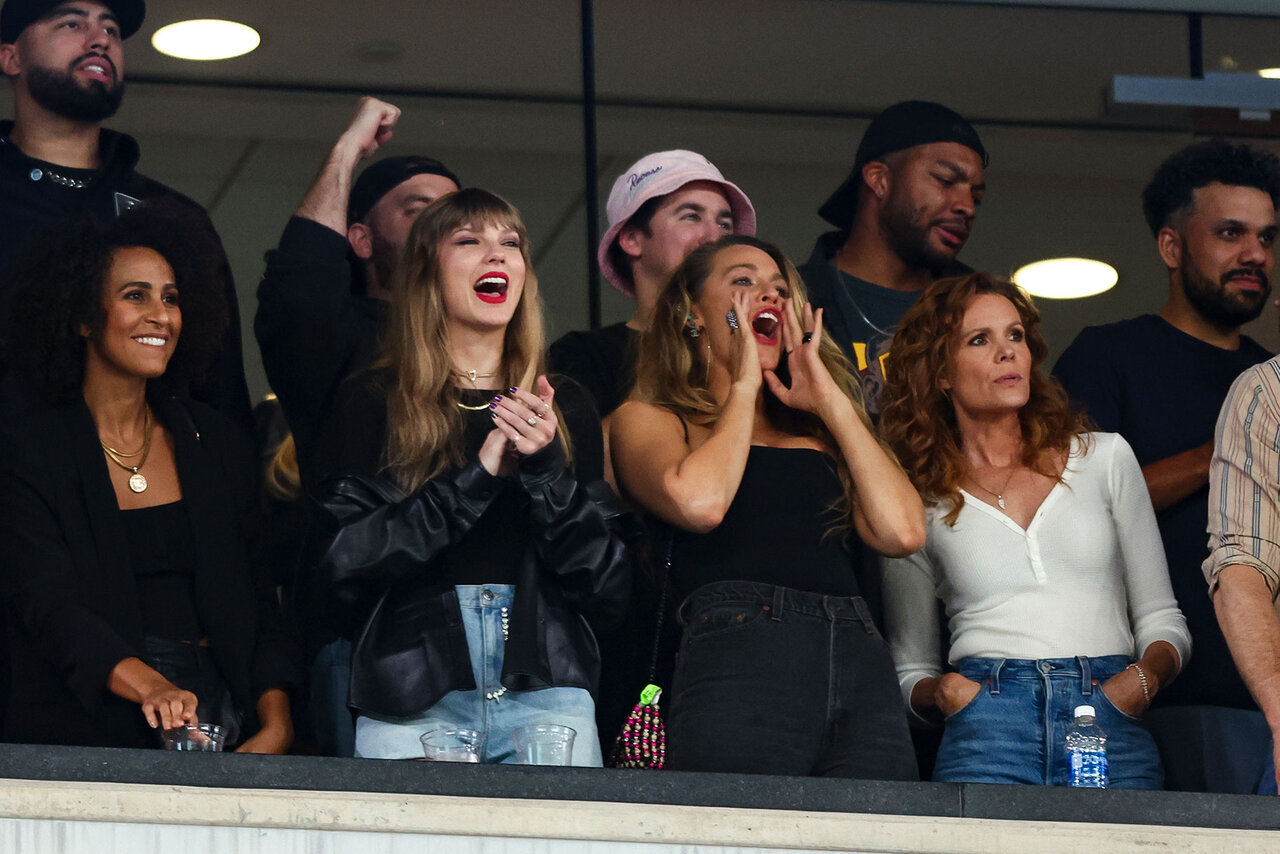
x=746, y=356
x=812, y=388
x=527, y=420
x=952, y=692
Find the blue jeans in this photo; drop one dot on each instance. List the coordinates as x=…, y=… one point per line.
x=1014, y=730
x=778, y=681
x=331, y=720
x=494, y=718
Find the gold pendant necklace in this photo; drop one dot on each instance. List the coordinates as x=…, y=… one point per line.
x=137, y=480
x=474, y=375
x=999, y=496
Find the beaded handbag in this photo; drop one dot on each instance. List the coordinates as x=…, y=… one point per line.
x=643, y=740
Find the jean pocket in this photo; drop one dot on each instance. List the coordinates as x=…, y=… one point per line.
x=724, y=618
x=1103, y=702
x=969, y=706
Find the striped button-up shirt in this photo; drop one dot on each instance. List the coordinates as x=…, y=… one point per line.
x=1244, y=479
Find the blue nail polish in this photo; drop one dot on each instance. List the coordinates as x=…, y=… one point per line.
x=497, y=398
x=493, y=406
x=511, y=390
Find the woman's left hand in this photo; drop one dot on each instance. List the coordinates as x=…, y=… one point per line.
x=1124, y=690
x=276, y=735
x=527, y=420
x=812, y=388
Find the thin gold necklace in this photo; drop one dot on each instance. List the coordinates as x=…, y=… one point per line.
x=137, y=480
x=474, y=375
x=998, y=495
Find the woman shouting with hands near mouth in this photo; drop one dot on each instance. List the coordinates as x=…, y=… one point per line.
x=467, y=542
x=747, y=435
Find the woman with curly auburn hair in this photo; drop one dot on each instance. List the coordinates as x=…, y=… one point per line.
x=131, y=604
x=471, y=546
x=1042, y=546
x=747, y=435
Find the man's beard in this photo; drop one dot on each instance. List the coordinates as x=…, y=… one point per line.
x=383, y=261
x=1211, y=300
x=59, y=93
x=909, y=239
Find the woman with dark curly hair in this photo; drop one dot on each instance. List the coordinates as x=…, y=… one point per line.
x=1042, y=546
x=746, y=433
x=129, y=601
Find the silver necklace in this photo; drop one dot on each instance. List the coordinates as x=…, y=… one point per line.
x=848, y=292
x=66, y=181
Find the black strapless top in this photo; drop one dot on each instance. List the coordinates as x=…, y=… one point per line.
x=780, y=529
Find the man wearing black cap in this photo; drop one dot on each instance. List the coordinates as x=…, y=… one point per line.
x=322, y=303
x=65, y=62
x=903, y=215
x=322, y=306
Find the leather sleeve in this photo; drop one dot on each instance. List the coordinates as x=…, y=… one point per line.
x=381, y=536
x=580, y=534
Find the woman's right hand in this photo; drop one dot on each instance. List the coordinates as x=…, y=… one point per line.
x=952, y=692
x=163, y=703
x=746, y=357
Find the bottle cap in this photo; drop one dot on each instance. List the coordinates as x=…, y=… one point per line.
x=1085, y=710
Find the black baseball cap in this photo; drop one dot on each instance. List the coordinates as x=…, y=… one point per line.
x=904, y=125
x=17, y=15
x=387, y=174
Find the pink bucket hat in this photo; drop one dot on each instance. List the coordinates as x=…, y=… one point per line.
x=659, y=174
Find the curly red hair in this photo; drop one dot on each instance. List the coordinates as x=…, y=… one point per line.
x=918, y=420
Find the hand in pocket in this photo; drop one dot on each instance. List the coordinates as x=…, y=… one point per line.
x=953, y=692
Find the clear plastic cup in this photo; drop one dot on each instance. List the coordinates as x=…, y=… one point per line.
x=544, y=744
x=205, y=738
x=451, y=745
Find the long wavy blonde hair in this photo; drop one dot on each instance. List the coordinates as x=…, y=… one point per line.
x=918, y=419
x=672, y=366
x=424, y=423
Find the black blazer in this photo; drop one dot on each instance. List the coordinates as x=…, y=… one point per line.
x=70, y=600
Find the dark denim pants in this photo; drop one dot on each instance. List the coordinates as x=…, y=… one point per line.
x=1015, y=729
x=777, y=681
x=192, y=668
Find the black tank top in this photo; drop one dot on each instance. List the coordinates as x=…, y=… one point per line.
x=162, y=553
x=780, y=529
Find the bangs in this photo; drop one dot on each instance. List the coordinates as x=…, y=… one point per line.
x=469, y=208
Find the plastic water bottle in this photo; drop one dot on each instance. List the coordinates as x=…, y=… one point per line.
x=1086, y=751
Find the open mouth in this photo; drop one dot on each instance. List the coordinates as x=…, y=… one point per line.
x=99, y=69
x=151, y=340
x=492, y=288
x=765, y=325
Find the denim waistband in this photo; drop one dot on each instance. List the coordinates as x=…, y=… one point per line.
x=1087, y=670
x=778, y=600
x=485, y=595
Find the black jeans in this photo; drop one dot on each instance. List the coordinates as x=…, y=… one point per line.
x=777, y=681
x=191, y=667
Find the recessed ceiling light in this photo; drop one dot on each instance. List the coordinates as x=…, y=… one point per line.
x=205, y=39
x=1273, y=73
x=1066, y=278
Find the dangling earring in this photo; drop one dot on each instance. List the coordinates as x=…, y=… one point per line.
x=691, y=326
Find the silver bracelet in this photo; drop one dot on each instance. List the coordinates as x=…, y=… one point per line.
x=1142, y=677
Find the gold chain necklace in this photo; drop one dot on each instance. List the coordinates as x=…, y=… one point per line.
x=998, y=495
x=137, y=481
x=474, y=375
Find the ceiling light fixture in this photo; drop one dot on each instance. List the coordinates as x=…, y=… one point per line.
x=1066, y=278
x=205, y=39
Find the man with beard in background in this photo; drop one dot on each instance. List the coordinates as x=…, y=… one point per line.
x=1159, y=380
x=903, y=215
x=65, y=62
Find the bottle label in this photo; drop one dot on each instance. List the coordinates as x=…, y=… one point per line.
x=1088, y=768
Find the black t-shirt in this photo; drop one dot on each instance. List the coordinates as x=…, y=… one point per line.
x=1161, y=389
x=603, y=361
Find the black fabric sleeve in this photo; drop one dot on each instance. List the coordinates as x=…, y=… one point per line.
x=304, y=321
x=38, y=578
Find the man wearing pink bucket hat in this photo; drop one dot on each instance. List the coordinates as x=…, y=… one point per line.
x=661, y=208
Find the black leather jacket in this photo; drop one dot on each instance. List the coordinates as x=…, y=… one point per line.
x=413, y=648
